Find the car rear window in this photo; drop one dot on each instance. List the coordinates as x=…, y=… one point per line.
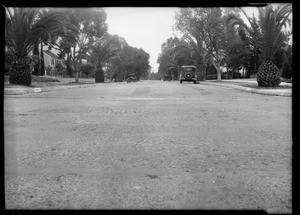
x=188, y=69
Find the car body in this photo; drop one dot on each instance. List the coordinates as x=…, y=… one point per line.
x=167, y=77
x=188, y=73
x=131, y=77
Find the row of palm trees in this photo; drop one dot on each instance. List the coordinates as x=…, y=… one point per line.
x=28, y=29
x=25, y=30
x=267, y=36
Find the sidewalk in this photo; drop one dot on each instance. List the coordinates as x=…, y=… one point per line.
x=241, y=84
x=38, y=87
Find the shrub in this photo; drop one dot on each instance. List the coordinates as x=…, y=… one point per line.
x=226, y=75
x=86, y=69
x=211, y=77
x=99, y=76
x=286, y=71
x=236, y=75
x=49, y=70
x=58, y=70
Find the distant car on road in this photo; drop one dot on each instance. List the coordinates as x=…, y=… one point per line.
x=131, y=77
x=188, y=73
x=167, y=77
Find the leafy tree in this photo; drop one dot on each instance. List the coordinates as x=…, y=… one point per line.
x=87, y=69
x=116, y=67
x=92, y=27
x=165, y=59
x=187, y=22
x=142, y=68
x=134, y=61
x=206, y=29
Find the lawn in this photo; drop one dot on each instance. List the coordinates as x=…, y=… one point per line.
x=46, y=81
x=255, y=85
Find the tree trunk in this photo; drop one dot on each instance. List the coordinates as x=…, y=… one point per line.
x=42, y=65
x=256, y=62
x=37, y=53
x=204, y=67
x=77, y=77
x=69, y=69
x=217, y=67
x=201, y=76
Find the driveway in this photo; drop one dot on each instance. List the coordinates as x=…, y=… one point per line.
x=148, y=145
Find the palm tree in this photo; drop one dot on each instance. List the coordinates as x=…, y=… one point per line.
x=24, y=29
x=268, y=37
x=189, y=49
x=102, y=53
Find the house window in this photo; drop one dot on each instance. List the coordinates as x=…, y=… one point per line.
x=52, y=61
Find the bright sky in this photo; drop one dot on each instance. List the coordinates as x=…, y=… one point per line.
x=145, y=28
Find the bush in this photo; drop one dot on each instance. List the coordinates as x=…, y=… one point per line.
x=118, y=77
x=91, y=75
x=49, y=70
x=58, y=70
x=87, y=69
x=286, y=71
x=226, y=75
x=99, y=76
x=211, y=77
x=237, y=75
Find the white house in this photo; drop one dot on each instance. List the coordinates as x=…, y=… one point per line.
x=51, y=60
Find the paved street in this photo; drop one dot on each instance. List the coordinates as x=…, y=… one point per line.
x=149, y=144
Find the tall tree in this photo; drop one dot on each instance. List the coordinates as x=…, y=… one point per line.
x=116, y=67
x=92, y=27
x=104, y=51
x=65, y=30
x=166, y=58
x=187, y=22
x=135, y=61
x=206, y=28
x=238, y=53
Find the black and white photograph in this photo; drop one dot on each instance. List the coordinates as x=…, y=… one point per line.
x=148, y=108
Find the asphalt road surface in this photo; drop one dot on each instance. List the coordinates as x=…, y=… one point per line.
x=148, y=145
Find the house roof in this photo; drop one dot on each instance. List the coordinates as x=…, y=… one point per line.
x=54, y=56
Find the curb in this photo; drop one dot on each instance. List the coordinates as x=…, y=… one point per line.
x=22, y=91
x=271, y=92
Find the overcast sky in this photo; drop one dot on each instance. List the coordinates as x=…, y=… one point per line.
x=145, y=28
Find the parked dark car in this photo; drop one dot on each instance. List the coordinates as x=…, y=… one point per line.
x=131, y=77
x=188, y=73
x=167, y=77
